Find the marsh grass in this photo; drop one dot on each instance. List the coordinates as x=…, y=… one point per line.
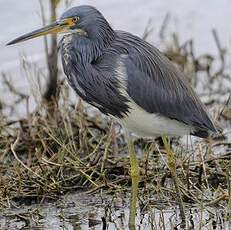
x=48, y=154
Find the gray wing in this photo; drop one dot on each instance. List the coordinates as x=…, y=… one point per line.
x=96, y=84
x=157, y=86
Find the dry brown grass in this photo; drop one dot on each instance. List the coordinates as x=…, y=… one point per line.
x=46, y=155
x=64, y=149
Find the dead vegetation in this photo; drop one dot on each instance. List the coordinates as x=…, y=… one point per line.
x=45, y=155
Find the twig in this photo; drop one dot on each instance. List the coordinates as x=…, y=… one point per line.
x=164, y=26
x=214, y=202
x=225, y=105
x=106, y=150
x=12, y=147
x=12, y=88
x=44, y=23
x=221, y=54
x=148, y=30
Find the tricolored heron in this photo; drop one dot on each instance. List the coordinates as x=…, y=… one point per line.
x=127, y=78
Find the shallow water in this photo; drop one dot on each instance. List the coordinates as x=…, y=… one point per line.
x=190, y=19
x=82, y=211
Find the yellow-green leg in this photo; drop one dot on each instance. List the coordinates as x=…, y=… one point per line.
x=172, y=169
x=135, y=175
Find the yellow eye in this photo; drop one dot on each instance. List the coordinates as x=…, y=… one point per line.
x=75, y=19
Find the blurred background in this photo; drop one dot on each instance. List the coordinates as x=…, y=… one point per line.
x=64, y=167
x=192, y=19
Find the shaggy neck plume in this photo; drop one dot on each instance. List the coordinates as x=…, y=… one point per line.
x=87, y=48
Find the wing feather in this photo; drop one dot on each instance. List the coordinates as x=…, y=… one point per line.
x=157, y=85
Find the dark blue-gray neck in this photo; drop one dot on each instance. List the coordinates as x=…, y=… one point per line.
x=87, y=48
x=90, y=36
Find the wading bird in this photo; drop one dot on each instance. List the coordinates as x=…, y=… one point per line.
x=127, y=78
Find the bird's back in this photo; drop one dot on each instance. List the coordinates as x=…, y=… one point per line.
x=131, y=72
x=156, y=84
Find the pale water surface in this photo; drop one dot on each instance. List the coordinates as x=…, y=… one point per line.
x=81, y=212
x=191, y=19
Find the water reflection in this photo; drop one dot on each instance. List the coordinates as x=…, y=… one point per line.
x=81, y=211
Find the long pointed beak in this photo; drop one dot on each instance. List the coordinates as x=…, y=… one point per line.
x=52, y=28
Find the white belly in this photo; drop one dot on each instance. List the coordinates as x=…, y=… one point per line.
x=145, y=124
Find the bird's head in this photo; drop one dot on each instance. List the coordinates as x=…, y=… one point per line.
x=82, y=20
